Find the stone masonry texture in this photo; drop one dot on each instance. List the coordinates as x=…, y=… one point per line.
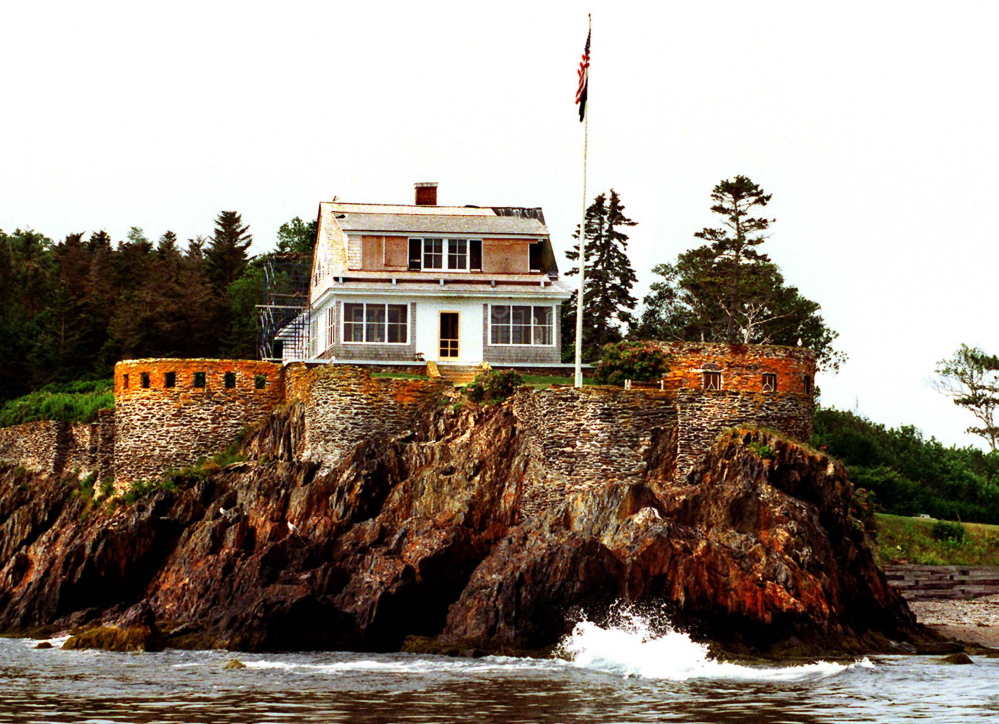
x=160, y=427
x=345, y=405
x=169, y=413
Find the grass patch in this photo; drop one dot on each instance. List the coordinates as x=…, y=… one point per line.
x=543, y=382
x=65, y=402
x=928, y=542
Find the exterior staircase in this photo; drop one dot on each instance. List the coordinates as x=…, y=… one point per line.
x=457, y=375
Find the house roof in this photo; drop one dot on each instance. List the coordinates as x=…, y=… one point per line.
x=440, y=224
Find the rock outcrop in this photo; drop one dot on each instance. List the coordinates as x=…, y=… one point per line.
x=437, y=536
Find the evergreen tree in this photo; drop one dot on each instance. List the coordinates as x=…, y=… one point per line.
x=226, y=256
x=735, y=268
x=728, y=290
x=609, y=277
x=167, y=245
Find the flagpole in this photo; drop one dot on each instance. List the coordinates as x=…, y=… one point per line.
x=582, y=225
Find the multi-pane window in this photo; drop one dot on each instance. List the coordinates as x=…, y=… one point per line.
x=711, y=380
x=433, y=253
x=457, y=254
x=769, y=382
x=445, y=254
x=516, y=324
x=376, y=323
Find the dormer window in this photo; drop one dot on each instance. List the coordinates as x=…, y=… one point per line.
x=445, y=254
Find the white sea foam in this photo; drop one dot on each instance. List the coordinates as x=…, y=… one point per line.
x=632, y=648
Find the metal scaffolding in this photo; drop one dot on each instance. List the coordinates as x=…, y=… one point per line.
x=285, y=319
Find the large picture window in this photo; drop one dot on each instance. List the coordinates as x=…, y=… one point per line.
x=445, y=254
x=515, y=324
x=376, y=323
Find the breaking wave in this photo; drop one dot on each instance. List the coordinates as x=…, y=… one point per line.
x=631, y=647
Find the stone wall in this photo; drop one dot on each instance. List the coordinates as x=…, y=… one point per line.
x=345, y=405
x=590, y=436
x=162, y=426
x=919, y=583
x=61, y=447
x=702, y=415
x=742, y=366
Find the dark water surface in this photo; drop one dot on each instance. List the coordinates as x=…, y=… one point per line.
x=191, y=686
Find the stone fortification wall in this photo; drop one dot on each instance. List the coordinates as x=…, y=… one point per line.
x=32, y=445
x=62, y=447
x=171, y=412
x=589, y=437
x=702, y=415
x=345, y=405
x=741, y=366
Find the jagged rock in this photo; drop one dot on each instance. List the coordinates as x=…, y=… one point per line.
x=233, y=664
x=465, y=534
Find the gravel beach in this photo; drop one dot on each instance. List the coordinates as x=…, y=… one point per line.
x=973, y=620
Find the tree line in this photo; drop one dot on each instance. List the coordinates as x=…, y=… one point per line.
x=909, y=474
x=724, y=290
x=70, y=310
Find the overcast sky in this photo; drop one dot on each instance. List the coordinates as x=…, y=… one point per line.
x=874, y=125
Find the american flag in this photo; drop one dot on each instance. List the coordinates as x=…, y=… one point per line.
x=584, y=78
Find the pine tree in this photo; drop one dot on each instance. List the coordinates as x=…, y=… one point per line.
x=609, y=277
x=729, y=291
x=737, y=268
x=226, y=256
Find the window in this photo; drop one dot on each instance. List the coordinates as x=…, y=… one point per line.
x=144, y=379
x=199, y=379
x=124, y=381
x=711, y=380
x=445, y=254
x=230, y=380
x=433, y=253
x=170, y=379
x=457, y=254
x=769, y=382
x=807, y=382
x=376, y=323
x=330, y=327
x=260, y=382
x=514, y=324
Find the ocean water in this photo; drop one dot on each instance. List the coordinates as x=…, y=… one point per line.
x=625, y=673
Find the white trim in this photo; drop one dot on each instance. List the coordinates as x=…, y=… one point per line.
x=531, y=345
x=445, y=252
x=364, y=324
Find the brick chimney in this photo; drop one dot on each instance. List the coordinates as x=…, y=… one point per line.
x=426, y=193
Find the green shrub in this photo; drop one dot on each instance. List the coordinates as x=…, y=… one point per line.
x=636, y=361
x=949, y=531
x=764, y=451
x=65, y=402
x=493, y=386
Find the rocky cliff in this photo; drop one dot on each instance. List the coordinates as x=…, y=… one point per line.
x=438, y=538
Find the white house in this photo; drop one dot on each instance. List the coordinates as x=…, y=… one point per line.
x=450, y=284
